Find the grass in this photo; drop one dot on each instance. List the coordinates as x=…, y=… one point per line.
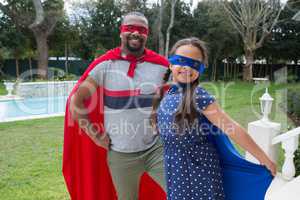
x=30, y=160
x=2, y=89
x=31, y=151
x=241, y=101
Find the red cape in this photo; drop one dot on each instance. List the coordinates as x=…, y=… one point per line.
x=85, y=168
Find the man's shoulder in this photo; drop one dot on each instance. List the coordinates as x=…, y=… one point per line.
x=157, y=58
x=111, y=54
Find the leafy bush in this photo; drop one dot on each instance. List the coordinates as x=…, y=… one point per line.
x=60, y=75
x=2, y=88
x=297, y=161
x=293, y=108
x=55, y=73
x=293, y=101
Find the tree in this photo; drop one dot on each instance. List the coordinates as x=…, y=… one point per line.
x=284, y=43
x=212, y=26
x=297, y=16
x=46, y=16
x=173, y=4
x=161, y=41
x=254, y=20
x=15, y=39
x=133, y=5
x=47, y=13
x=97, y=25
x=63, y=40
x=105, y=23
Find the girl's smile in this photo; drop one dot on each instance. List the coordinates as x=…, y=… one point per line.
x=185, y=74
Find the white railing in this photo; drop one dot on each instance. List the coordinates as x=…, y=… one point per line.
x=290, y=142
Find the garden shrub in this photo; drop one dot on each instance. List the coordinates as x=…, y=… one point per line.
x=293, y=108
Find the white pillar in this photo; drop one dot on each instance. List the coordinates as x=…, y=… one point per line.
x=290, y=146
x=263, y=132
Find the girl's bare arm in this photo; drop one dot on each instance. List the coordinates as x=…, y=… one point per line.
x=237, y=133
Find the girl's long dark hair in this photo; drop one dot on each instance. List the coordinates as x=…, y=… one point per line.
x=186, y=111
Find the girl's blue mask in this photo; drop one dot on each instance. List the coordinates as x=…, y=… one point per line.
x=185, y=61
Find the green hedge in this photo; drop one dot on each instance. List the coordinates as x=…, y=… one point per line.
x=2, y=88
x=293, y=108
x=297, y=161
x=293, y=101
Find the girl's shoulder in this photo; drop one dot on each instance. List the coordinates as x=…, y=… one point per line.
x=203, y=98
x=200, y=90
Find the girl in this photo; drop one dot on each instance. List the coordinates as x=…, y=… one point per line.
x=200, y=161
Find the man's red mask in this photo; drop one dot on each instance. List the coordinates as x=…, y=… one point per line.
x=133, y=28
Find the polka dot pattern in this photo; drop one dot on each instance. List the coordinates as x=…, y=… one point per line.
x=191, y=161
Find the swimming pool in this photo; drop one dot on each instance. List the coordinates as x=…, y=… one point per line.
x=31, y=108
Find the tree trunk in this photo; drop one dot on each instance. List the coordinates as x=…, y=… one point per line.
x=214, y=70
x=161, y=42
x=247, y=69
x=66, y=57
x=224, y=70
x=42, y=47
x=232, y=71
x=30, y=67
x=173, y=3
x=236, y=71
x=17, y=68
x=42, y=27
x=1, y=72
x=1, y=65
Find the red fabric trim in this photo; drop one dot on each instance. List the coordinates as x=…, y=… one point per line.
x=121, y=93
x=85, y=169
x=165, y=88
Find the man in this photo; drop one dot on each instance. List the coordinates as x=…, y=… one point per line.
x=124, y=80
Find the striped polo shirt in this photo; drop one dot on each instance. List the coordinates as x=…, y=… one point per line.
x=128, y=102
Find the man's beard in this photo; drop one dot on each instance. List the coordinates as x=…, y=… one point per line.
x=135, y=49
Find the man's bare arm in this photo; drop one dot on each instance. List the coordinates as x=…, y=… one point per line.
x=80, y=114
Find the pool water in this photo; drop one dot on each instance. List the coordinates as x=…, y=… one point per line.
x=11, y=110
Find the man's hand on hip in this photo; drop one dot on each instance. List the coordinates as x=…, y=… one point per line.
x=102, y=140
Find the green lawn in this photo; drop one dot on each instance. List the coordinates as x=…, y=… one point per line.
x=241, y=100
x=30, y=160
x=31, y=151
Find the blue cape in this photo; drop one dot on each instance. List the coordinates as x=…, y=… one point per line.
x=243, y=180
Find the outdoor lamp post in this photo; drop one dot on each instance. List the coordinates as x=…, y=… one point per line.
x=266, y=105
x=263, y=130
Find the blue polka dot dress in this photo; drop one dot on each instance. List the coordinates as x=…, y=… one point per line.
x=192, y=163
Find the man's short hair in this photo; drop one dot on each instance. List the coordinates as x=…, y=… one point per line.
x=137, y=14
